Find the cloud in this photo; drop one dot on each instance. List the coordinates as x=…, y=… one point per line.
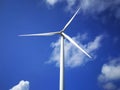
x=100, y=6
x=52, y=2
x=92, y=6
x=73, y=56
x=110, y=75
x=23, y=85
x=109, y=86
x=70, y=4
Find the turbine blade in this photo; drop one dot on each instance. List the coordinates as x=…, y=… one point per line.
x=73, y=42
x=71, y=19
x=41, y=34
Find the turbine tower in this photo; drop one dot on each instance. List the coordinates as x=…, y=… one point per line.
x=63, y=36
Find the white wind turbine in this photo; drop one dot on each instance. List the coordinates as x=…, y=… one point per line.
x=63, y=35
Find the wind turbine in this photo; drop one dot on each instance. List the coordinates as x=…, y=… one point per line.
x=63, y=36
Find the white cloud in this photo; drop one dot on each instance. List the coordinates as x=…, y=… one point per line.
x=110, y=74
x=99, y=6
x=92, y=6
x=23, y=85
x=70, y=4
x=73, y=56
x=51, y=2
x=109, y=86
x=111, y=71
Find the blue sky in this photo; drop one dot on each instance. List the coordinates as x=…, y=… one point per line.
x=32, y=63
